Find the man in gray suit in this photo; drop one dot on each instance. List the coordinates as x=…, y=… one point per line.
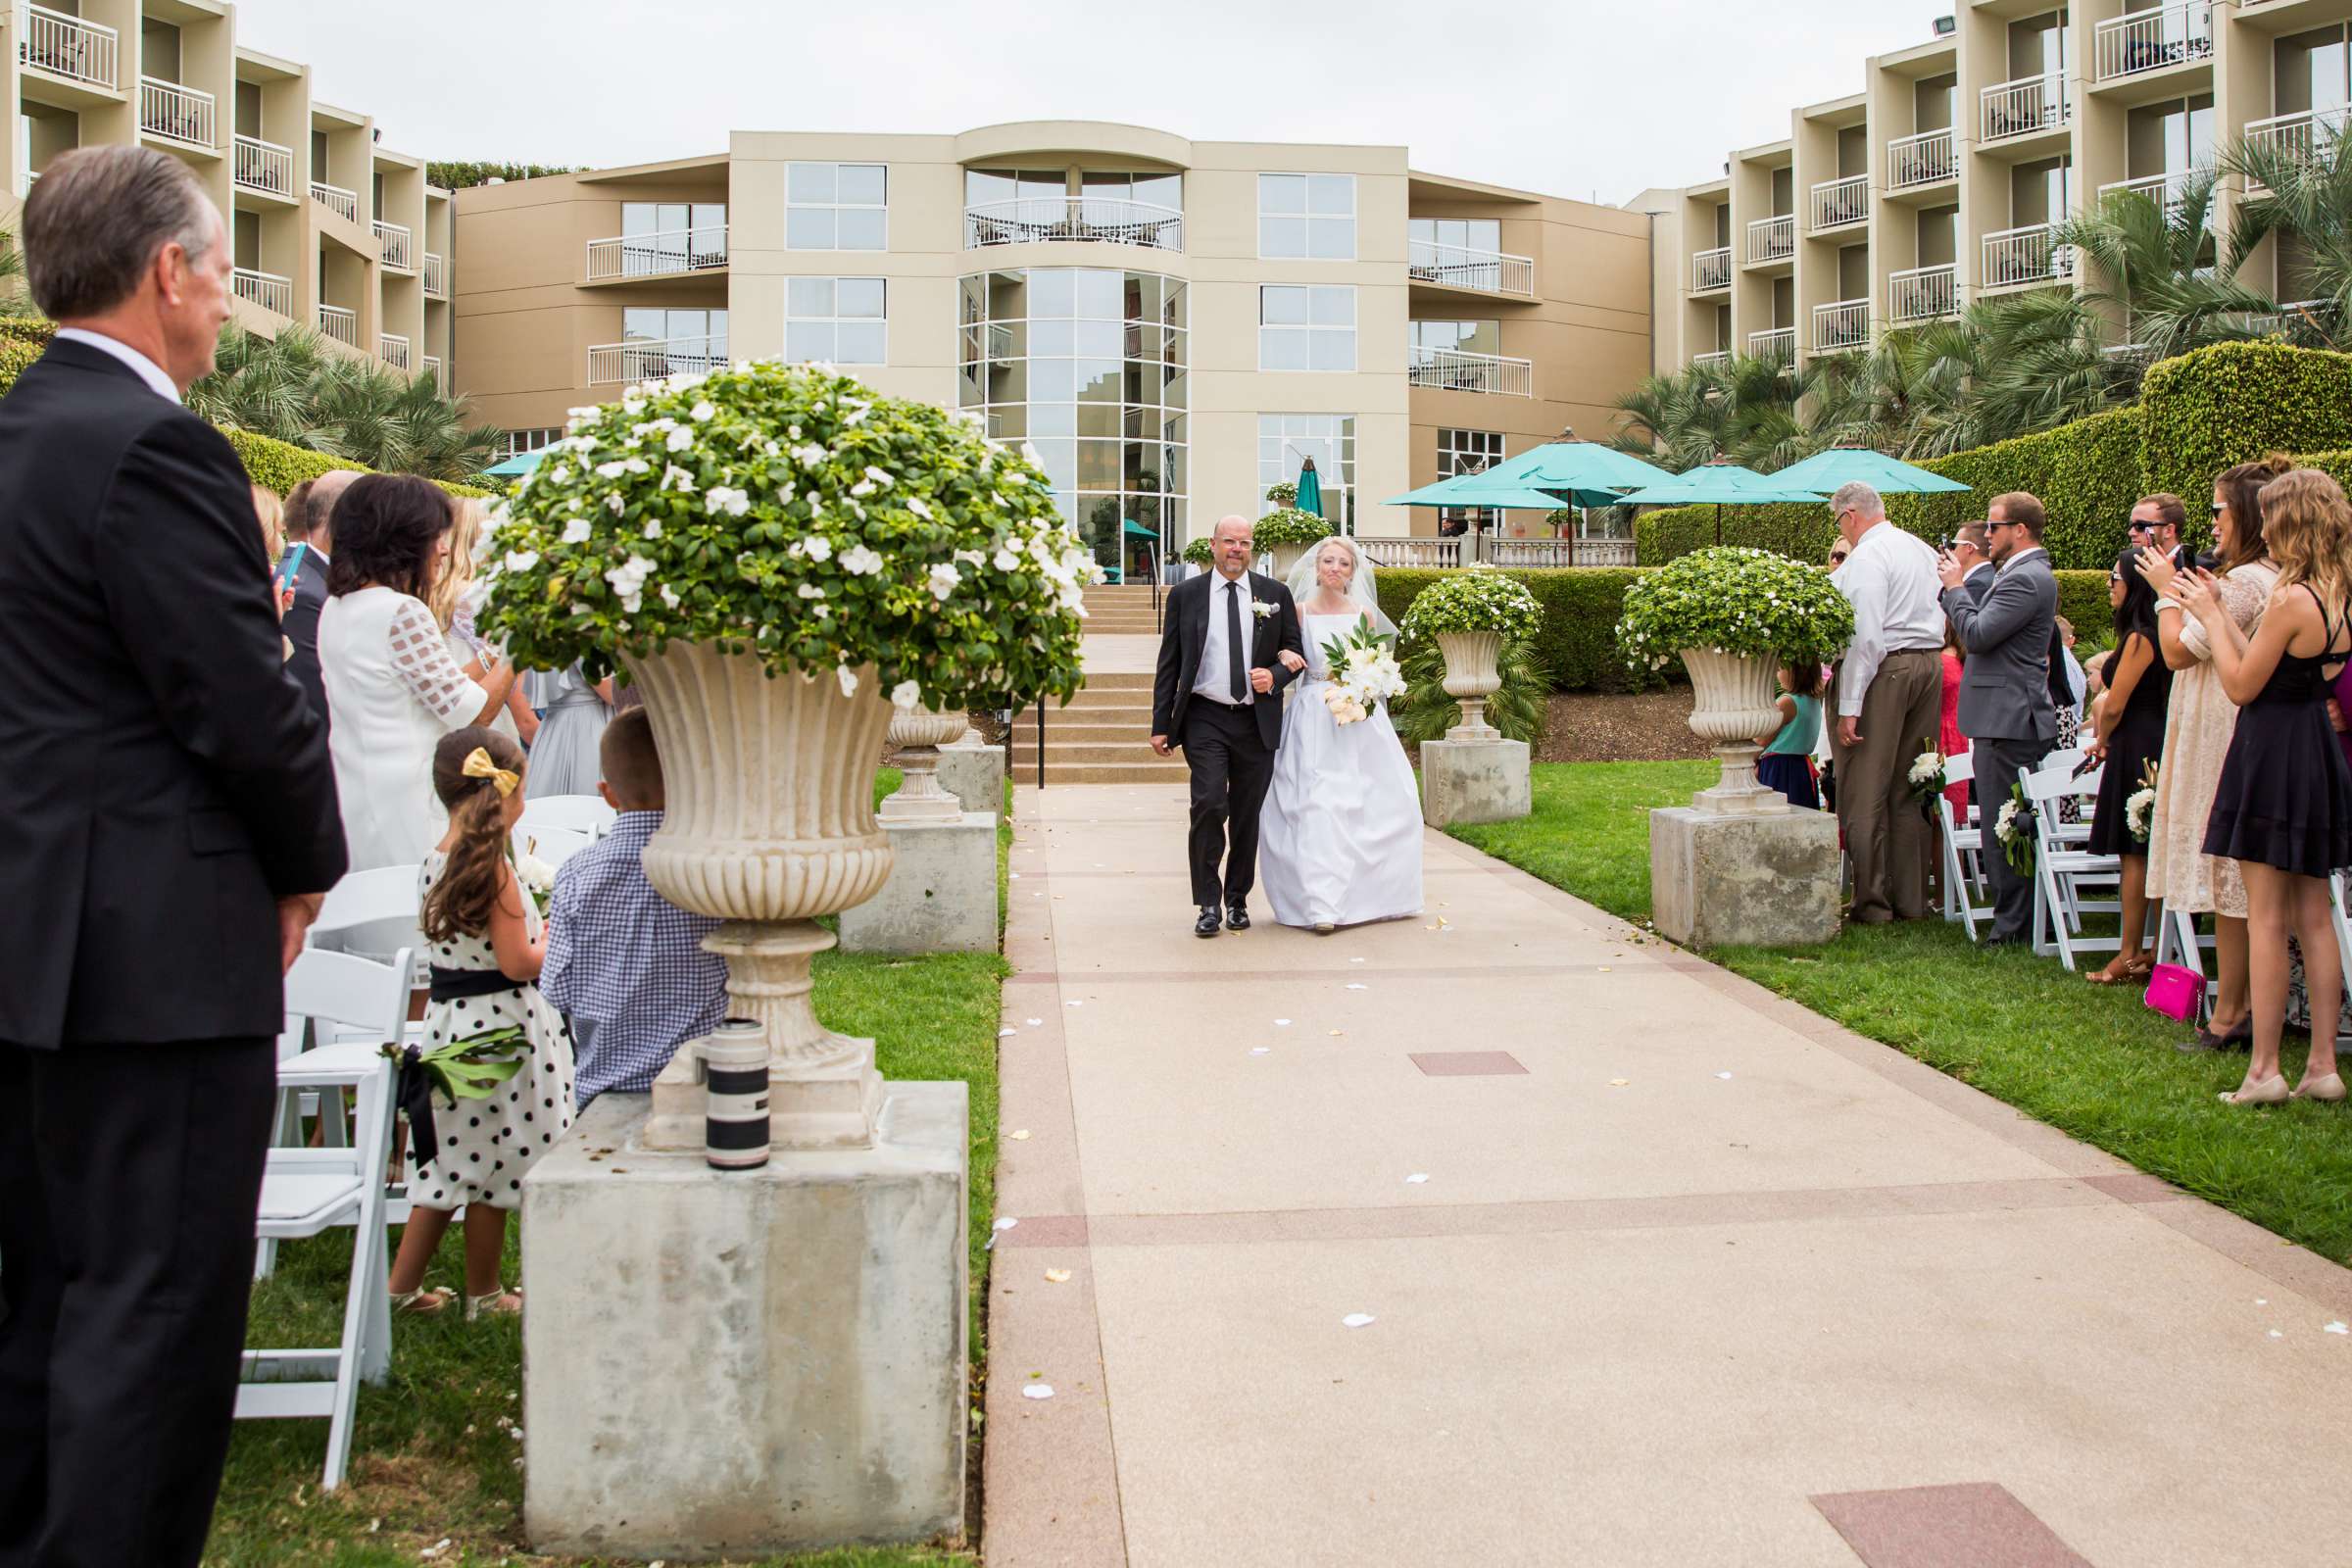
x=2005, y=707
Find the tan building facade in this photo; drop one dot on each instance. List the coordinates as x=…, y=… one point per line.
x=331, y=229
x=1938, y=183
x=1172, y=324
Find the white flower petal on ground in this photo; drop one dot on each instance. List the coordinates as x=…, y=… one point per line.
x=1358, y=1320
x=1037, y=1391
x=1006, y=1223
x=1416, y=1178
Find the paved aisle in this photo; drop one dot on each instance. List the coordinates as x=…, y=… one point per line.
x=1641, y=1313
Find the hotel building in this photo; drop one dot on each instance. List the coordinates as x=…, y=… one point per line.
x=1172, y=324
x=331, y=229
x=1937, y=183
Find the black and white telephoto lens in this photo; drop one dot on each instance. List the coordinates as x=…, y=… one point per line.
x=735, y=1071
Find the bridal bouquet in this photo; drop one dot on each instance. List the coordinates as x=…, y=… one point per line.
x=1363, y=672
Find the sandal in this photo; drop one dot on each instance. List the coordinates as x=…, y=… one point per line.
x=420, y=1302
x=498, y=1301
x=2109, y=975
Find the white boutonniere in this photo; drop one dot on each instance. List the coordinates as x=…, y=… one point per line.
x=1260, y=609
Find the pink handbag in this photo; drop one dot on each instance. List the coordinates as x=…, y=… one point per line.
x=2175, y=991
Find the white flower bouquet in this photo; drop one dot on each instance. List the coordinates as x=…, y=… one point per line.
x=1927, y=774
x=2139, y=807
x=2014, y=828
x=538, y=878
x=1364, y=672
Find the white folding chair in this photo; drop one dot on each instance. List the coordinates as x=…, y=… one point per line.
x=304, y=1193
x=575, y=813
x=2065, y=877
x=554, y=844
x=331, y=997
x=1966, y=897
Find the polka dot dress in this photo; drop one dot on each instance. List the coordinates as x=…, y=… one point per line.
x=486, y=1145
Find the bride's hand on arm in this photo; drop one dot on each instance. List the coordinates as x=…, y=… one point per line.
x=1291, y=662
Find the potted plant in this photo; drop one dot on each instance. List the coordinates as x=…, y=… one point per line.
x=1199, y=554
x=776, y=555
x=1284, y=494
x=1470, y=616
x=1733, y=617
x=1287, y=533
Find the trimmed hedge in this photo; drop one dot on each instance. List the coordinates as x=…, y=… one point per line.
x=2197, y=415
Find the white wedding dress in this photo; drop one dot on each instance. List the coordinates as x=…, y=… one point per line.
x=1340, y=842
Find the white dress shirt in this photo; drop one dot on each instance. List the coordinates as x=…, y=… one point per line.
x=146, y=368
x=1214, y=678
x=1889, y=578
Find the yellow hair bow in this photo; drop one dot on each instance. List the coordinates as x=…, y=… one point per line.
x=479, y=765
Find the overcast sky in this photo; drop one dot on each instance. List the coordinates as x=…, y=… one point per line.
x=1569, y=97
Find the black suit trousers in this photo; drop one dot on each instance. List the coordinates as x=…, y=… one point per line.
x=1231, y=767
x=1998, y=764
x=131, y=1175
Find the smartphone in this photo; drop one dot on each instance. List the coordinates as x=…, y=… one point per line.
x=288, y=565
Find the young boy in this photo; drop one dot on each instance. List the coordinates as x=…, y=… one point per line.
x=624, y=965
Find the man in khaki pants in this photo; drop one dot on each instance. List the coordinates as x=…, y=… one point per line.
x=1889, y=693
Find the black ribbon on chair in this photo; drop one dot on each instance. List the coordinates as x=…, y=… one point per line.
x=413, y=1092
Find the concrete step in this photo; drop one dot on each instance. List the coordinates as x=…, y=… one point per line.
x=1128, y=680
x=1066, y=729
x=1135, y=749
x=1151, y=771
x=1131, y=714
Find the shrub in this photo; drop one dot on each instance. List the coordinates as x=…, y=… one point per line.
x=1517, y=708
x=1740, y=602
x=2233, y=402
x=793, y=513
x=1287, y=525
x=1199, y=551
x=1474, y=601
x=1577, y=640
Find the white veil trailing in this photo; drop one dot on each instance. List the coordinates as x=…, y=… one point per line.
x=1360, y=588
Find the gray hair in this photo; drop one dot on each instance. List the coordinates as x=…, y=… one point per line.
x=1855, y=495
x=95, y=221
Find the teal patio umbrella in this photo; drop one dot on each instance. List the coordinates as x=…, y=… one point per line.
x=516, y=466
x=1889, y=476
x=1726, y=484
x=1310, y=487
x=1577, y=471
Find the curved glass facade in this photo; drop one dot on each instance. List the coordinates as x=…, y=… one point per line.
x=1087, y=365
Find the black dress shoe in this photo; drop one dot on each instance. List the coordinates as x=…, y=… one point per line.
x=1209, y=925
x=1236, y=915
x=2002, y=942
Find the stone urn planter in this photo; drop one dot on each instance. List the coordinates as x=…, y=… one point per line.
x=1282, y=559
x=916, y=735
x=1471, y=677
x=769, y=824
x=1732, y=703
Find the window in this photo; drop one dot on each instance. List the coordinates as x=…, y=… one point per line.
x=1465, y=252
x=1310, y=216
x=836, y=206
x=1286, y=440
x=1458, y=337
x=1467, y=452
x=840, y=320
x=1307, y=327
x=673, y=236
x=518, y=442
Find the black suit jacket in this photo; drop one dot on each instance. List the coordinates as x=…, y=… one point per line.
x=162, y=782
x=301, y=626
x=1185, y=632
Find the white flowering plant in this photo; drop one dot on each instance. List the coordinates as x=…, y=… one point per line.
x=1282, y=493
x=1745, y=603
x=790, y=512
x=1364, y=673
x=1476, y=600
x=1287, y=525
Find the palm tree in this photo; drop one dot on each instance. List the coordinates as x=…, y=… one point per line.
x=2306, y=198
x=294, y=388
x=2157, y=269
x=1743, y=407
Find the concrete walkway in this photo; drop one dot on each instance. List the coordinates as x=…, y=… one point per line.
x=1695, y=1278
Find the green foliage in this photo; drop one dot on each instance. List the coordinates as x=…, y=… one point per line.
x=1740, y=601
x=1577, y=641
x=2222, y=405
x=1518, y=708
x=465, y=173
x=1199, y=551
x=1287, y=525
x=1474, y=601
x=1284, y=494
x=16, y=356
x=794, y=513
x=297, y=389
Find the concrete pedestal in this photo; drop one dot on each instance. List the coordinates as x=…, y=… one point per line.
x=1743, y=881
x=742, y=1363
x=942, y=892
x=974, y=775
x=1473, y=780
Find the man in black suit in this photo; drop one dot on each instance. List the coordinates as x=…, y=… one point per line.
x=2156, y=525
x=310, y=521
x=168, y=827
x=1230, y=643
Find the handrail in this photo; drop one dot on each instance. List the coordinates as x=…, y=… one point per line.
x=1468, y=266
x=2021, y=106
x=263, y=165
x=2151, y=39
x=68, y=46
x=1921, y=158
x=183, y=113
x=1711, y=269
x=700, y=248
x=335, y=199
x=1837, y=203
x=1068, y=220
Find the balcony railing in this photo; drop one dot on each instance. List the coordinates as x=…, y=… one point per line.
x=2165, y=190
x=263, y=165
x=2150, y=41
x=1712, y=357
x=400, y=245
x=436, y=276
x=1460, y=370
x=433, y=368
x=1923, y=294
x=1842, y=326
x=1839, y=202
x=1462, y=267
x=68, y=46
x=1412, y=552
x=393, y=350
x=166, y=108
x=669, y=249
x=340, y=324
x=1925, y=159
x=2021, y=106
x=646, y=359
x=2308, y=135
x=1711, y=269
x=266, y=289
x=1073, y=219
x=1779, y=343
x=2026, y=254
x=345, y=204
x=1772, y=239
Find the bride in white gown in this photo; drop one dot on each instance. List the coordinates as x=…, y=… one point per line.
x=1340, y=843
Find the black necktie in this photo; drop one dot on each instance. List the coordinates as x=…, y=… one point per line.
x=1233, y=642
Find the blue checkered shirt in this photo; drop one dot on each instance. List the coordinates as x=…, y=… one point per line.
x=626, y=966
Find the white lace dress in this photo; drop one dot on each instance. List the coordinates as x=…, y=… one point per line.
x=394, y=691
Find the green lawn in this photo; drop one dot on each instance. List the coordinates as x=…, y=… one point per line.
x=2091, y=1060
x=431, y=1456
